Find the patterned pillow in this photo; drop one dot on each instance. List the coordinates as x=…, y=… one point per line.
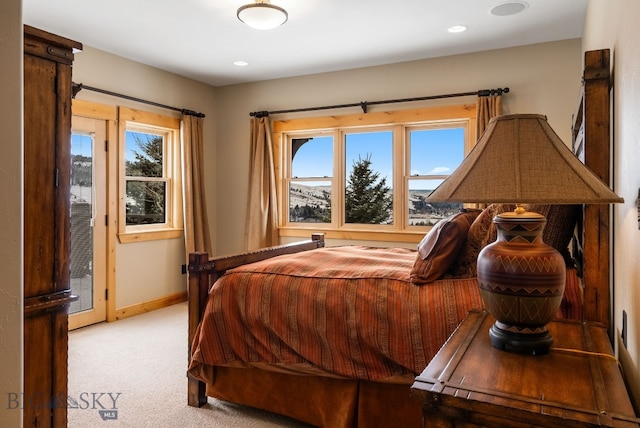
x=561, y=222
x=481, y=233
x=441, y=246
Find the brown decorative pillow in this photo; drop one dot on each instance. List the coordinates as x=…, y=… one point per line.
x=441, y=246
x=481, y=233
x=561, y=222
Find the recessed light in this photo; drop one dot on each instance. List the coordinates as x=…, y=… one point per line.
x=457, y=29
x=240, y=63
x=509, y=8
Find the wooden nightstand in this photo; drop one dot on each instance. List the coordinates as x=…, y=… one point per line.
x=578, y=384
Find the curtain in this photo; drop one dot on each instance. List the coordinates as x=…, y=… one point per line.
x=486, y=108
x=196, y=225
x=262, y=210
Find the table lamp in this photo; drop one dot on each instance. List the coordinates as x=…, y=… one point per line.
x=519, y=159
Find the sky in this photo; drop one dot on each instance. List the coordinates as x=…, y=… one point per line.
x=82, y=144
x=433, y=151
x=132, y=146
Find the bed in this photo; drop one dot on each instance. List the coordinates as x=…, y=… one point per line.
x=338, y=342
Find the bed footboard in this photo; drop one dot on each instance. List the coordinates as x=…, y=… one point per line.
x=204, y=271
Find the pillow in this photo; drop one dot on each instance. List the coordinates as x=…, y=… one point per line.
x=481, y=233
x=561, y=222
x=441, y=246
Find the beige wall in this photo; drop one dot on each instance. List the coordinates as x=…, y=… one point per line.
x=146, y=271
x=613, y=25
x=11, y=209
x=543, y=78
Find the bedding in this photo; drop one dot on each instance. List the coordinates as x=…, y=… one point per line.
x=348, y=312
x=351, y=311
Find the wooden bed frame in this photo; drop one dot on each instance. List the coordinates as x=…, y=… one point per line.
x=591, y=142
x=381, y=404
x=204, y=271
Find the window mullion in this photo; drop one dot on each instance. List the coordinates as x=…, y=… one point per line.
x=399, y=188
x=339, y=178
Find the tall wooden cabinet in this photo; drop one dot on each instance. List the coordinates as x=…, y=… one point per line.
x=47, y=166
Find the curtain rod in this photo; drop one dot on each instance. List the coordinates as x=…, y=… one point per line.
x=77, y=87
x=365, y=104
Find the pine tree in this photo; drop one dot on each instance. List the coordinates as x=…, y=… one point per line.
x=368, y=199
x=148, y=195
x=148, y=161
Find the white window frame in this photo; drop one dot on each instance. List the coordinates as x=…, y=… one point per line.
x=400, y=122
x=169, y=128
x=408, y=176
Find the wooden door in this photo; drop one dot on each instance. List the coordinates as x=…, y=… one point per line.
x=47, y=295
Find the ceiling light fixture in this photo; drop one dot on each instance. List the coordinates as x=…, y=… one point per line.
x=262, y=15
x=457, y=29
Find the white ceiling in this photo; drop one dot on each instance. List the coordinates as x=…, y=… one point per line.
x=201, y=39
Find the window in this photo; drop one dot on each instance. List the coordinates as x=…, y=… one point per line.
x=368, y=181
x=434, y=153
x=367, y=175
x=311, y=180
x=150, y=205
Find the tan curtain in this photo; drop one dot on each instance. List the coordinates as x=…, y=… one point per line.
x=486, y=108
x=262, y=211
x=196, y=225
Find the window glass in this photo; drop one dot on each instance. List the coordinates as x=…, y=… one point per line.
x=434, y=154
x=312, y=157
x=310, y=202
x=312, y=172
x=369, y=178
x=146, y=189
x=436, y=151
x=423, y=213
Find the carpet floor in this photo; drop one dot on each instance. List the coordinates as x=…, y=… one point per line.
x=132, y=373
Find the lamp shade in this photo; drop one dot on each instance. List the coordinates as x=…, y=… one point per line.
x=520, y=159
x=262, y=15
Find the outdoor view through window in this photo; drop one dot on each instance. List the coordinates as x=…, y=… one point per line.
x=146, y=186
x=371, y=176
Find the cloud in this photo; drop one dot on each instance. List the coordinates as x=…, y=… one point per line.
x=440, y=170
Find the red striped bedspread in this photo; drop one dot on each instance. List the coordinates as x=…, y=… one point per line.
x=350, y=311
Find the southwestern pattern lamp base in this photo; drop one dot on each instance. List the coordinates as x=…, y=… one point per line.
x=521, y=281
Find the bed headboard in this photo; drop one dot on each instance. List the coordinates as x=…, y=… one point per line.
x=591, y=143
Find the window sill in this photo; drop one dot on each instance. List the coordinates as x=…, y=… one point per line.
x=355, y=235
x=149, y=235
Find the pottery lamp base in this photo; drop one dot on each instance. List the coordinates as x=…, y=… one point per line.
x=533, y=344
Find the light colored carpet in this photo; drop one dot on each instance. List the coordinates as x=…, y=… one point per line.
x=144, y=359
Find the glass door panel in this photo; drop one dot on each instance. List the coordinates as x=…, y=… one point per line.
x=88, y=193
